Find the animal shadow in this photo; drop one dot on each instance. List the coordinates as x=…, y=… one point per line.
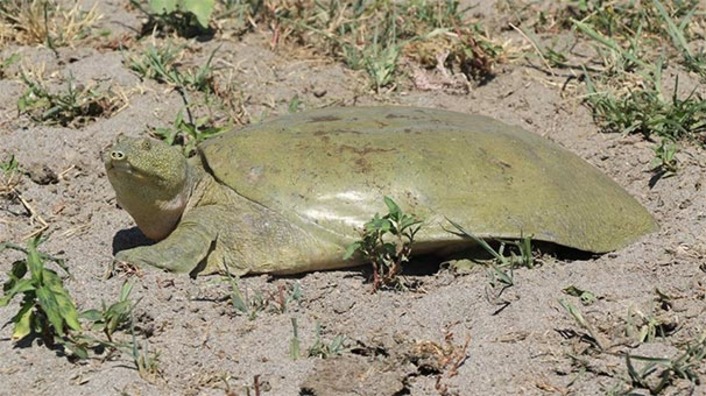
x=128, y=239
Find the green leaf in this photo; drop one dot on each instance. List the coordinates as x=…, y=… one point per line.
x=50, y=308
x=57, y=304
x=202, y=9
x=408, y=221
x=64, y=304
x=9, y=61
x=384, y=226
x=34, y=260
x=351, y=249
x=389, y=248
x=163, y=7
x=92, y=315
x=392, y=207
x=236, y=296
x=23, y=321
x=378, y=223
x=21, y=286
x=125, y=290
x=116, y=314
x=294, y=343
x=72, y=348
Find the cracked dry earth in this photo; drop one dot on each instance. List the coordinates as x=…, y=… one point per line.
x=456, y=335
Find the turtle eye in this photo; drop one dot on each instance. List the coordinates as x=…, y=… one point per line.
x=146, y=144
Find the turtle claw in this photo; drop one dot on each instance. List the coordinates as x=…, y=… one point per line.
x=126, y=262
x=163, y=256
x=138, y=257
x=118, y=268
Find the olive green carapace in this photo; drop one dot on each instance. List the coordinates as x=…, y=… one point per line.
x=289, y=194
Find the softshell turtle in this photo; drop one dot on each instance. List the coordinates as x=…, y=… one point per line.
x=288, y=195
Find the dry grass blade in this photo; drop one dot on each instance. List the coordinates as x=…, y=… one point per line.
x=42, y=22
x=34, y=216
x=534, y=43
x=583, y=323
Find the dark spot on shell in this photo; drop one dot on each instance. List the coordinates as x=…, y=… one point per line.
x=395, y=116
x=337, y=132
x=363, y=150
x=324, y=119
x=361, y=162
x=504, y=164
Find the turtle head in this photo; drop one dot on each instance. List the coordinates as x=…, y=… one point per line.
x=152, y=182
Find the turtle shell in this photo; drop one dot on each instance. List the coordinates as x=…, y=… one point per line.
x=330, y=168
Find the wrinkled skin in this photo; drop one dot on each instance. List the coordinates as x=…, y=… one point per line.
x=288, y=195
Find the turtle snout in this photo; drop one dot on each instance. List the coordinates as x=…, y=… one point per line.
x=115, y=159
x=117, y=155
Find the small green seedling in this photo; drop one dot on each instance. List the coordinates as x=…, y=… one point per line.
x=5, y=63
x=46, y=309
x=155, y=63
x=9, y=175
x=522, y=256
x=111, y=318
x=295, y=104
x=380, y=58
x=159, y=64
x=188, y=133
x=665, y=163
x=685, y=366
x=243, y=304
x=272, y=301
x=9, y=167
x=146, y=361
x=501, y=268
x=74, y=107
x=284, y=296
x=386, y=243
x=294, y=342
x=659, y=321
x=319, y=348
x=325, y=350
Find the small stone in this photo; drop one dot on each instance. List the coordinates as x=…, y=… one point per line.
x=41, y=174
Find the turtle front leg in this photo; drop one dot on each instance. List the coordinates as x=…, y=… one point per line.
x=182, y=251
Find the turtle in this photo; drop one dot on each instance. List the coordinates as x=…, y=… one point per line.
x=288, y=195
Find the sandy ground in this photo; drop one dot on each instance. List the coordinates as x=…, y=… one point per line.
x=531, y=346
